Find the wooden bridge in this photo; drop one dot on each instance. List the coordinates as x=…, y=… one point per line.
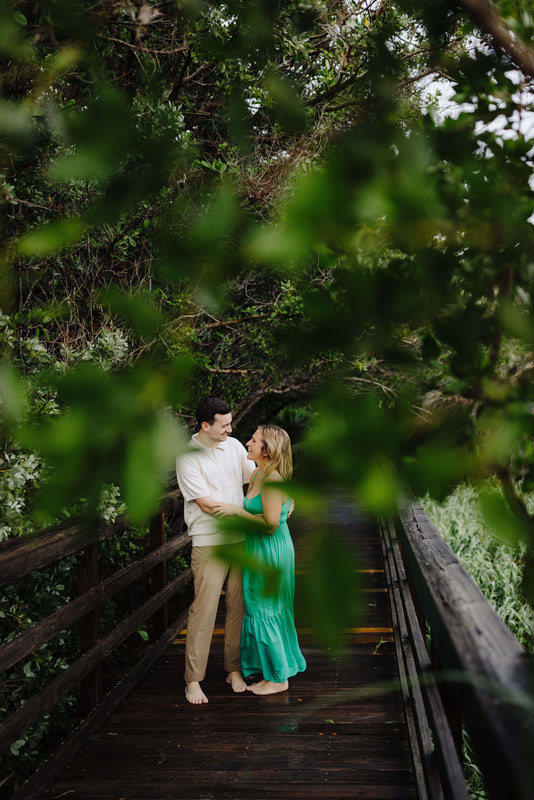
x=383, y=719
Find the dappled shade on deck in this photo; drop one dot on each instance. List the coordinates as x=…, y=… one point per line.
x=339, y=732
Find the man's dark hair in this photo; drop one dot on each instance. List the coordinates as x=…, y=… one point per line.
x=208, y=407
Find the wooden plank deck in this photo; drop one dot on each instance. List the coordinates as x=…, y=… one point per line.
x=303, y=743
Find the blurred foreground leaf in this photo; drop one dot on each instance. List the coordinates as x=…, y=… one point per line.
x=327, y=598
x=499, y=517
x=12, y=399
x=50, y=237
x=113, y=429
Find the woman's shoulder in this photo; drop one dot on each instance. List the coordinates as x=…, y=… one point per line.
x=271, y=485
x=273, y=477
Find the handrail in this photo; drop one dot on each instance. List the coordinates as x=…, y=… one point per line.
x=28, y=641
x=24, y=554
x=21, y=556
x=451, y=644
x=477, y=659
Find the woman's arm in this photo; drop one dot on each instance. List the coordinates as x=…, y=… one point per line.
x=208, y=505
x=231, y=510
x=268, y=523
x=272, y=499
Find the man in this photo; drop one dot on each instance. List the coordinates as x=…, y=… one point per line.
x=216, y=470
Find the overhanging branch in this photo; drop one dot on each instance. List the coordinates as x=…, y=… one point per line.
x=485, y=18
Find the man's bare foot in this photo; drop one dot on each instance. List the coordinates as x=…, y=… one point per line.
x=253, y=686
x=268, y=687
x=237, y=682
x=194, y=694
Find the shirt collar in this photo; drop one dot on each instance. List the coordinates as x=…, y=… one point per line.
x=200, y=446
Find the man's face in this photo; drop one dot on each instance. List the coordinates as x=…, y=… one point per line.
x=221, y=427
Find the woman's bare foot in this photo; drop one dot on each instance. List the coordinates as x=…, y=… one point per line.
x=194, y=694
x=253, y=686
x=268, y=687
x=237, y=682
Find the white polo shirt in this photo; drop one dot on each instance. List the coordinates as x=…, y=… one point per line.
x=218, y=472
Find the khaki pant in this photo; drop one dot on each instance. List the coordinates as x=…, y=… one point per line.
x=211, y=566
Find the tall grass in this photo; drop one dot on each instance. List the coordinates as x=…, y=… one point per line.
x=494, y=564
x=496, y=567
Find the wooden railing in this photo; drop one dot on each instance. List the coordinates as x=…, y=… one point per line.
x=19, y=557
x=460, y=665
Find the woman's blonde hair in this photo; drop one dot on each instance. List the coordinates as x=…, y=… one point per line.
x=277, y=445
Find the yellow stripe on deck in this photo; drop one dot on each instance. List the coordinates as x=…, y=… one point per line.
x=356, y=571
x=303, y=631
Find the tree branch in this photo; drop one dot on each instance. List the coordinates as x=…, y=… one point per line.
x=236, y=321
x=140, y=48
x=221, y=371
x=489, y=22
x=190, y=78
x=515, y=502
x=334, y=90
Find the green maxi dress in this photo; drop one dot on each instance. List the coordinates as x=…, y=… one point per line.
x=269, y=643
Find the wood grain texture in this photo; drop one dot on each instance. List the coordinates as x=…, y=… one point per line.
x=488, y=664
x=24, y=554
x=339, y=732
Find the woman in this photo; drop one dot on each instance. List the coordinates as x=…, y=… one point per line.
x=269, y=644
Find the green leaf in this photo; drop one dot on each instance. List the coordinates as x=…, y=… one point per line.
x=518, y=321
x=84, y=165
x=12, y=398
x=289, y=112
x=13, y=42
x=327, y=598
x=50, y=237
x=379, y=489
x=500, y=518
x=100, y=135
x=137, y=311
x=28, y=670
x=15, y=120
x=16, y=747
x=151, y=452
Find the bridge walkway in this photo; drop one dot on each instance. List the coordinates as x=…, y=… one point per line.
x=339, y=732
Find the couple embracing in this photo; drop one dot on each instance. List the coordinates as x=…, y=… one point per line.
x=260, y=638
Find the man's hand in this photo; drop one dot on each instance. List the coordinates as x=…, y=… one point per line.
x=208, y=505
x=227, y=510
x=216, y=508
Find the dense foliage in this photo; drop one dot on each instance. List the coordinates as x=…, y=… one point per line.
x=259, y=200
x=494, y=563
x=247, y=199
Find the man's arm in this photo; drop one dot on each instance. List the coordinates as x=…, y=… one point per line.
x=192, y=483
x=208, y=505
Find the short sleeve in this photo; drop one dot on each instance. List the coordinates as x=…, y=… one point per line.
x=191, y=481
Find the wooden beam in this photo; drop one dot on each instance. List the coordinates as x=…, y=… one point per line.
x=487, y=662
x=35, y=787
x=29, y=640
x=89, y=628
x=20, y=556
x=430, y=713
x=158, y=575
x=34, y=709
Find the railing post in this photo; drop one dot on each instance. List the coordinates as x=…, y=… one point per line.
x=419, y=613
x=158, y=576
x=450, y=706
x=89, y=628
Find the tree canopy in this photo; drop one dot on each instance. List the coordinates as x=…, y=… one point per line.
x=320, y=210
x=261, y=200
